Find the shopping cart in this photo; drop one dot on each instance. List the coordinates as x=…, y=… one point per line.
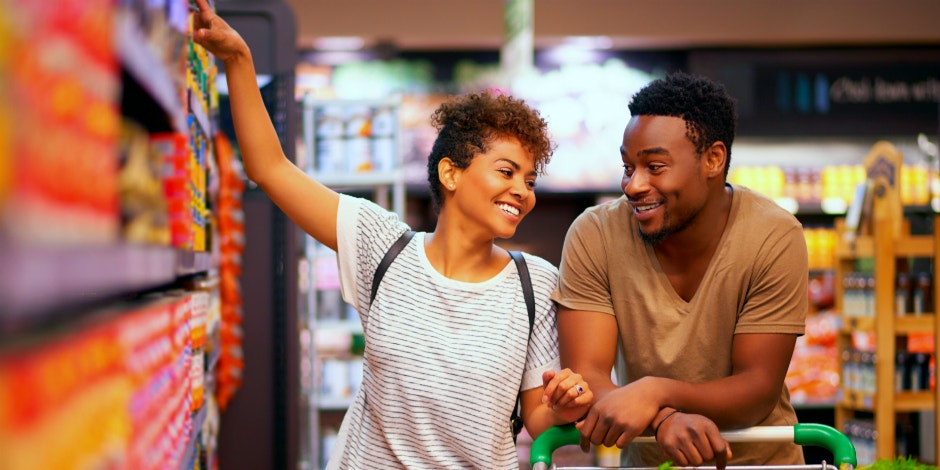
x=809, y=434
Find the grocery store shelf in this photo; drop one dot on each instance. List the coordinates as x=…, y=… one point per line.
x=904, y=402
x=339, y=326
x=36, y=281
x=192, y=262
x=902, y=324
x=855, y=400
x=863, y=324
x=141, y=63
x=333, y=403
x=313, y=101
x=915, y=323
x=358, y=180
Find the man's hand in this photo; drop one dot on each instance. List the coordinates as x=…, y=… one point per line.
x=692, y=440
x=621, y=415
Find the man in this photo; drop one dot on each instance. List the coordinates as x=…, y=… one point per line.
x=704, y=281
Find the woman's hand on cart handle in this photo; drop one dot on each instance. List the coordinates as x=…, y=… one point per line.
x=567, y=394
x=691, y=440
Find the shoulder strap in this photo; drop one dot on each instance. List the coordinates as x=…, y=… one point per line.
x=390, y=256
x=515, y=419
x=523, y=269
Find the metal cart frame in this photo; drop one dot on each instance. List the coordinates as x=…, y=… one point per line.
x=809, y=434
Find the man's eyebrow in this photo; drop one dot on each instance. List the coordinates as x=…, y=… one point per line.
x=652, y=151
x=645, y=152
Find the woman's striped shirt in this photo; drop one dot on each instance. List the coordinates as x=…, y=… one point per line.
x=444, y=359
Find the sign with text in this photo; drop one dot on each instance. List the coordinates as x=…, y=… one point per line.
x=831, y=92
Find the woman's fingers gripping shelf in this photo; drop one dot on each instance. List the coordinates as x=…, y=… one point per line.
x=213, y=33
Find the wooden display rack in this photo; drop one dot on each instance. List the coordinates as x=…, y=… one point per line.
x=882, y=233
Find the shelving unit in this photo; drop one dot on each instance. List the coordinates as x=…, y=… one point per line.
x=886, y=242
x=347, y=148
x=351, y=146
x=113, y=218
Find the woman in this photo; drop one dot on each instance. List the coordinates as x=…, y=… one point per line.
x=447, y=335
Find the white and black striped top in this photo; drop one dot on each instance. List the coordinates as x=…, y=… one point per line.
x=444, y=359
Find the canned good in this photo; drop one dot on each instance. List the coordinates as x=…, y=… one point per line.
x=358, y=134
x=331, y=155
x=383, y=153
x=358, y=155
x=330, y=149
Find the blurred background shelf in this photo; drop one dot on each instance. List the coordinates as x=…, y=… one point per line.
x=36, y=281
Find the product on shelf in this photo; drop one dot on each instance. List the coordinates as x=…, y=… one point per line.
x=830, y=186
x=813, y=375
x=62, y=89
x=99, y=172
x=821, y=289
x=230, y=241
x=6, y=108
x=177, y=186
x=820, y=247
x=115, y=393
x=350, y=137
x=140, y=185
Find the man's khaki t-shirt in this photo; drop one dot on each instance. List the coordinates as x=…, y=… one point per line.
x=755, y=283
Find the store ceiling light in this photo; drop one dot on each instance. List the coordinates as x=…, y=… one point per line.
x=589, y=42
x=339, y=43
x=576, y=50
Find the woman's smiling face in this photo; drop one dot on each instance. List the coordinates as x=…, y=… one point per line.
x=497, y=189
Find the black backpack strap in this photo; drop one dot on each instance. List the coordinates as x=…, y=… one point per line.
x=526, y=285
x=516, y=420
x=390, y=256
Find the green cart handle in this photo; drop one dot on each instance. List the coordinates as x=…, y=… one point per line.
x=809, y=434
x=540, y=455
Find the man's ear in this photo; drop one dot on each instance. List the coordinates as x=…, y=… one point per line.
x=716, y=158
x=448, y=173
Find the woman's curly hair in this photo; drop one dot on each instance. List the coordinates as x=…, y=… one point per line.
x=707, y=108
x=467, y=125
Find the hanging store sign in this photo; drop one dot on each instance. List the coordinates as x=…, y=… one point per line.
x=903, y=98
x=831, y=92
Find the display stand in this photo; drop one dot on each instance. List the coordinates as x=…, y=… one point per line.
x=351, y=146
x=881, y=234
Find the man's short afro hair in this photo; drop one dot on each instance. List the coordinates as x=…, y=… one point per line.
x=707, y=108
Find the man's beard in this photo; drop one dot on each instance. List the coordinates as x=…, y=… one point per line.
x=654, y=238
x=658, y=236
